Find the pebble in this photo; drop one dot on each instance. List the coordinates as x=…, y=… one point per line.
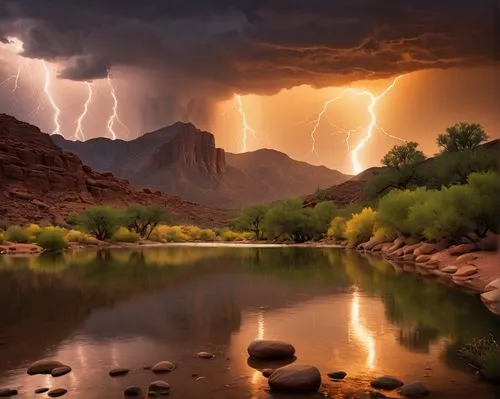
x=163, y=367
x=41, y=390
x=6, y=392
x=386, y=382
x=60, y=371
x=205, y=355
x=159, y=387
x=414, y=390
x=44, y=367
x=133, y=392
x=119, y=371
x=267, y=372
x=337, y=375
x=55, y=393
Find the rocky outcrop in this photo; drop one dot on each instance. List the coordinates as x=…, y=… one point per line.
x=40, y=181
x=183, y=160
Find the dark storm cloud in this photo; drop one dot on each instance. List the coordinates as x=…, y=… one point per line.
x=255, y=45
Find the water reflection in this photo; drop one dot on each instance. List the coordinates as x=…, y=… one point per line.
x=361, y=333
x=96, y=310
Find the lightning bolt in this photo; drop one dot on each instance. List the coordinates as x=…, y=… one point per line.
x=245, y=127
x=114, y=116
x=47, y=90
x=370, y=128
x=79, y=130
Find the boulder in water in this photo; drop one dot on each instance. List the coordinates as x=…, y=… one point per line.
x=386, y=382
x=295, y=378
x=270, y=349
x=44, y=367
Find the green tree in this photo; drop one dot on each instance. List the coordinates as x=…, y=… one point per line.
x=144, y=219
x=461, y=136
x=288, y=219
x=487, y=187
x=251, y=219
x=100, y=221
x=402, y=156
x=324, y=212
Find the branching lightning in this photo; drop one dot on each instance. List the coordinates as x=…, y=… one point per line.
x=47, y=90
x=79, y=130
x=245, y=128
x=114, y=116
x=356, y=165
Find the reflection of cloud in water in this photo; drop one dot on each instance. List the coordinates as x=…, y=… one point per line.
x=361, y=333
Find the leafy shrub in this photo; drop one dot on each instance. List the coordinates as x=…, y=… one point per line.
x=80, y=237
x=487, y=187
x=33, y=230
x=382, y=233
x=337, y=228
x=52, y=240
x=230, y=235
x=247, y=236
x=288, y=219
x=360, y=228
x=125, y=235
x=100, y=221
x=17, y=234
x=484, y=354
x=2, y=237
x=4, y=225
x=324, y=212
x=207, y=235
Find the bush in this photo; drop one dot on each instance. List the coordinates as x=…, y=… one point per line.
x=487, y=187
x=100, y=221
x=17, y=234
x=125, y=235
x=230, y=235
x=384, y=234
x=52, y=240
x=33, y=230
x=80, y=237
x=207, y=235
x=4, y=225
x=164, y=233
x=2, y=237
x=337, y=228
x=484, y=355
x=360, y=228
x=324, y=212
x=288, y=219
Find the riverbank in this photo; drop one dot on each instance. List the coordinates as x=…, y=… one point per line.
x=474, y=267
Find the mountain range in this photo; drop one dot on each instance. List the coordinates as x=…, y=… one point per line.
x=182, y=160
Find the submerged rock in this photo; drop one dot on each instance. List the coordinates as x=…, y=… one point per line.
x=44, y=367
x=163, y=367
x=386, y=382
x=55, y=393
x=160, y=387
x=414, y=390
x=117, y=372
x=60, y=371
x=295, y=378
x=337, y=375
x=270, y=349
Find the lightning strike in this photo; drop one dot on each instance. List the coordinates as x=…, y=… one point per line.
x=356, y=165
x=114, y=116
x=79, y=130
x=47, y=90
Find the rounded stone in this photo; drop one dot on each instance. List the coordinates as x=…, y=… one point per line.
x=295, y=378
x=267, y=372
x=414, y=390
x=163, y=367
x=7, y=393
x=160, y=387
x=44, y=367
x=270, y=349
x=337, y=375
x=117, y=372
x=60, y=371
x=386, y=382
x=41, y=390
x=55, y=393
x=133, y=392
x=205, y=355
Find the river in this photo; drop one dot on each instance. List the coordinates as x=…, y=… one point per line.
x=95, y=310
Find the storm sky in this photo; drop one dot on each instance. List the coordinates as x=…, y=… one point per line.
x=187, y=59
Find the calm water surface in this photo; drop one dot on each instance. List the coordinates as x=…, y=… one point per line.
x=130, y=308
